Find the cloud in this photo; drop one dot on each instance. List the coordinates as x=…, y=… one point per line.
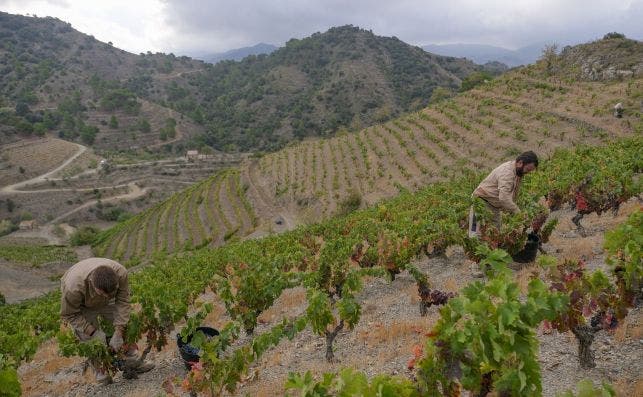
x=130, y=25
x=190, y=26
x=220, y=25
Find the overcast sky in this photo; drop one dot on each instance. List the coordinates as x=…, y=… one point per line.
x=205, y=26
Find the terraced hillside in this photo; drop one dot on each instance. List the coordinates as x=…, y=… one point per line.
x=472, y=131
x=527, y=109
x=207, y=213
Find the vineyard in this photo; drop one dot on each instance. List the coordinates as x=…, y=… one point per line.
x=485, y=338
x=476, y=129
x=208, y=213
x=35, y=255
x=391, y=204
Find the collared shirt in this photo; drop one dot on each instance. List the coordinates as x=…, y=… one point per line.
x=78, y=293
x=500, y=187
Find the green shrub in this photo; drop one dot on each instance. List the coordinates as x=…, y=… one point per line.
x=6, y=227
x=350, y=203
x=613, y=35
x=9, y=378
x=84, y=236
x=474, y=79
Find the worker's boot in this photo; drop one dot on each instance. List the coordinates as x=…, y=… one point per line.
x=133, y=362
x=103, y=378
x=145, y=366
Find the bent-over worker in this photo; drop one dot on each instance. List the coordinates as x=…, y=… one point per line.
x=98, y=287
x=500, y=189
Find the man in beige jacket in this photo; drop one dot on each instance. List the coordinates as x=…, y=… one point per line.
x=500, y=189
x=97, y=287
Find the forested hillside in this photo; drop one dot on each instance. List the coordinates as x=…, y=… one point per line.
x=346, y=77
x=57, y=80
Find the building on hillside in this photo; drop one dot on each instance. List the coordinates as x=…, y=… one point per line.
x=28, y=225
x=192, y=155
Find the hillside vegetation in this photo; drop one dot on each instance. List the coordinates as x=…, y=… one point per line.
x=56, y=79
x=345, y=77
x=530, y=108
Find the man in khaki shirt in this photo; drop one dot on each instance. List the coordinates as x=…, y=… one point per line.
x=97, y=287
x=500, y=189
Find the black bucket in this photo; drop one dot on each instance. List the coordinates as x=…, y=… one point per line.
x=189, y=353
x=528, y=254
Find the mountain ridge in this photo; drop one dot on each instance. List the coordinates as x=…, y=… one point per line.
x=235, y=54
x=71, y=84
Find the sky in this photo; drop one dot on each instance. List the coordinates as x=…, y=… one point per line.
x=189, y=27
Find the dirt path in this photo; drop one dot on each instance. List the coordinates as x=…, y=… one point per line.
x=177, y=74
x=134, y=193
x=43, y=178
x=261, y=201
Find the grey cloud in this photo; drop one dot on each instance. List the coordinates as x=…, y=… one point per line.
x=26, y=3
x=221, y=25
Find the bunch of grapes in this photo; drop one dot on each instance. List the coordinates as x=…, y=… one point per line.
x=603, y=320
x=189, y=349
x=432, y=297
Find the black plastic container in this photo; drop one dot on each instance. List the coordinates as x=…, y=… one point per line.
x=528, y=254
x=190, y=354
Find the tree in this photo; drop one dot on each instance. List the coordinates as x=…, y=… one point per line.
x=88, y=133
x=143, y=125
x=11, y=205
x=549, y=58
x=474, y=79
x=22, y=109
x=113, y=122
x=613, y=35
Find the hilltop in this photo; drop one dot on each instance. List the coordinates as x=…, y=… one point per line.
x=57, y=80
x=613, y=57
x=345, y=77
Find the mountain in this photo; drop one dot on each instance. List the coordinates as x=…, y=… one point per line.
x=483, y=53
x=62, y=81
x=237, y=54
x=346, y=77
x=58, y=80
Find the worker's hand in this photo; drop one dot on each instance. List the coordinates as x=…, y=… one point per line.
x=116, y=342
x=89, y=331
x=98, y=335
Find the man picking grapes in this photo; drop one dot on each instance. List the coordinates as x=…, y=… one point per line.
x=500, y=189
x=93, y=288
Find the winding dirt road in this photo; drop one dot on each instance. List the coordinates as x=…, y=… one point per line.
x=15, y=188
x=134, y=191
